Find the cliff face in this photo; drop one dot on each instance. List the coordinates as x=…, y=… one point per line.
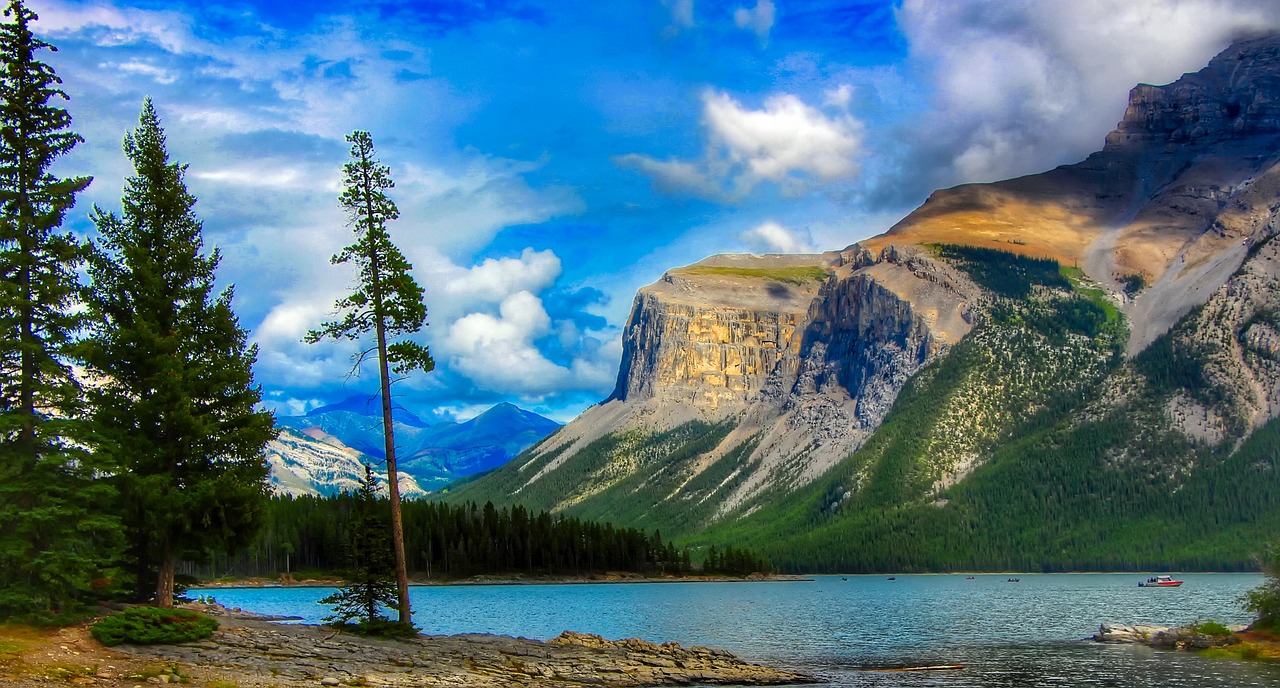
x=795, y=360
x=751, y=381
x=712, y=335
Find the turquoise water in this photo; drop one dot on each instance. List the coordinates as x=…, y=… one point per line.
x=1006, y=634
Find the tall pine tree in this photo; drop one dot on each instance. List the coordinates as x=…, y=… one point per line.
x=53, y=534
x=387, y=302
x=177, y=404
x=368, y=565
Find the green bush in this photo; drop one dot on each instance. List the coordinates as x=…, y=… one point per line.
x=1211, y=628
x=378, y=628
x=153, y=626
x=1264, y=600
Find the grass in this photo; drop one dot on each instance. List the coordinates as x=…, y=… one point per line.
x=1095, y=296
x=789, y=275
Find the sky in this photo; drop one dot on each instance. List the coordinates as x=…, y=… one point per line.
x=551, y=157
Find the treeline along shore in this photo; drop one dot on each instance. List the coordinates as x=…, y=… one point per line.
x=443, y=541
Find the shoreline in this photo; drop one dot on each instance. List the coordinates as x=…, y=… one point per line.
x=608, y=579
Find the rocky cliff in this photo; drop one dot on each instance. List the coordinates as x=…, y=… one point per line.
x=890, y=377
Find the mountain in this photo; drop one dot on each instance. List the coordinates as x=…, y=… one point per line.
x=309, y=462
x=324, y=450
x=1075, y=369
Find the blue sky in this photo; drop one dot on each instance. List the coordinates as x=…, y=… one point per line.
x=552, y=157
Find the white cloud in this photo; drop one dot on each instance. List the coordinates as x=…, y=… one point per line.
x=839, y=97
x=786, y=136
x=771, y=237
x=758, y=19
x=785, y=142
x=161, y=76
x=170, y=30
x=499, y=354
x=681, y=14
x=675, y=176
x=1021, y=86
x=495, y=279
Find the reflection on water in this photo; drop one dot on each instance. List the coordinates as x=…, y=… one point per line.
x=1008, y=635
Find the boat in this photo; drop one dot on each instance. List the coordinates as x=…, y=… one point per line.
x=1160, y=582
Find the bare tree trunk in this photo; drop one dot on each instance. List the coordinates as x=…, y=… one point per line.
x=393, y=478
x=164, y=585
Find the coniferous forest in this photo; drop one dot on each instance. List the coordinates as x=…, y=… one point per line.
x=310, y=535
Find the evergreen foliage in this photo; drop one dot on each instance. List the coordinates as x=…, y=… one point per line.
x=732, y=561
x=55, y=534
x=176, y=403
x=456, y=541
x=153, y=626
x=387, y=302
x=369, y=565
x=1005, y=273
x=1264, y=601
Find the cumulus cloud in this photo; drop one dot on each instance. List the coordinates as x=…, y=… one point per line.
x=758, y=19
x=771, y=237
x=495, y=279
x=499, y=353
x=1021, y=86
x=786, y=142
x=785, y=136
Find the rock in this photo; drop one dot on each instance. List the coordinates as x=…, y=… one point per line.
x=296, y=655
x=1120, y=633
x=1163, y=637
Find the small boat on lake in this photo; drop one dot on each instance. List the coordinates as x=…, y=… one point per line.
x=1160, y=582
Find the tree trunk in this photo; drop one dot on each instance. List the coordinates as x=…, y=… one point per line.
x=393, y=478
x=164, y=584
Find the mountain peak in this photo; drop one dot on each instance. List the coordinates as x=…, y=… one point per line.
x=370, y=405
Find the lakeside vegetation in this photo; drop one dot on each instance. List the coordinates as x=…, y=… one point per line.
x=447, y=542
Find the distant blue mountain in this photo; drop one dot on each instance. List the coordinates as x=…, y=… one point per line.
x=370, y=405
x=434, y=455
x=483, y=443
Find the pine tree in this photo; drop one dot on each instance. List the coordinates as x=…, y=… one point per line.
x=387, y=302
x=177, y=403
x=53, y=536
x=369, y=562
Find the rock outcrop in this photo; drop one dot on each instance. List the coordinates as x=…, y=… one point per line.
x=1165, y=637
x=258, y=653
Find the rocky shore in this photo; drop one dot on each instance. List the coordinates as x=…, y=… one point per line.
x=1166, y=637
x=257, y=653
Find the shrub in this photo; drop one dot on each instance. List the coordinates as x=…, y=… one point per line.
x=1210, y=628
x=378, y=628
x=1264, y=600
x=153, y=626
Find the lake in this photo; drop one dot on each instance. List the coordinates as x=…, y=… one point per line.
x=1008, y=635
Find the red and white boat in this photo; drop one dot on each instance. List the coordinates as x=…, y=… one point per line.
x=1160, y=582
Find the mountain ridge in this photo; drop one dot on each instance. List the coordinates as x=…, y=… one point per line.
x=324, y=450
x=748, y=397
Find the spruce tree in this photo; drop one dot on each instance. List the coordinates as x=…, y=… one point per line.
x=54, y=536
x=369, y=562
x=387, y=302
x=177, y=404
